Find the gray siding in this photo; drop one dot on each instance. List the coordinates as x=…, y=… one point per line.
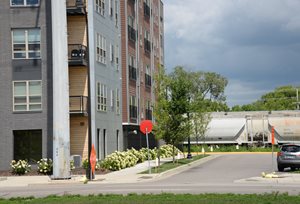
x=22, y=70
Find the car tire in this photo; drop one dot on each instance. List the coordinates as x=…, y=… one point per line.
x=280, y=167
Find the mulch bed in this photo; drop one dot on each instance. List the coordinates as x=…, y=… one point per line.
x=34, y=172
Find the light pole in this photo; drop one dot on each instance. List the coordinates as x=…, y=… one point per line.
x=189, y=155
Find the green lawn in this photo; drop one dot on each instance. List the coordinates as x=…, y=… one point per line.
x=170, y=165
x=165, y=199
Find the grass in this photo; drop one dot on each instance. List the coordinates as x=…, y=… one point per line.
x=170, y=165
x=230, y=148
x=164, y=198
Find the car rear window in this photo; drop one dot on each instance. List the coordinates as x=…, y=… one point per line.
x=290, y=148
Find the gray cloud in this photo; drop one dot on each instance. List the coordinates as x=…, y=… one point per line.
x=254, y=43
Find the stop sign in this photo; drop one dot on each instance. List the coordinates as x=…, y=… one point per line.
x=146, y=124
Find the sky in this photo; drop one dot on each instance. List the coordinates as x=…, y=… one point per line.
x=255, y=44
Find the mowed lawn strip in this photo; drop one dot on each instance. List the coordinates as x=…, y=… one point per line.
x=164, y=198
x=170, y=165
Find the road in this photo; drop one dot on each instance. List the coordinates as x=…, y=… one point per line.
x=216, y=176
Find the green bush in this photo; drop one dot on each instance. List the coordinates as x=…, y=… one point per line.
x=20, y=167
x=45, y=166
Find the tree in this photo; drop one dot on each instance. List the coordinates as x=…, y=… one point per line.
x=282, y=98
x=183, y=98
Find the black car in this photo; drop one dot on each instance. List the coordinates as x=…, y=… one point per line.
x=288, y=156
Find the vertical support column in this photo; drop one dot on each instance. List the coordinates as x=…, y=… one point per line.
x=61, y=120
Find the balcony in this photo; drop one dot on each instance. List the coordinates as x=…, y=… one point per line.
x=78, y=105
x=148, y=114
x=76, y=7
x=132, y=112
x=132, y=73
x=146, y=10
x=147, y=45
x=148, y=80
x=131, y=33
x=77, y=55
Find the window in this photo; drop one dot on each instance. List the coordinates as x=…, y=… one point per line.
x=101, y=97
x=117, y=101
x=24, y=2
x=133, y=107
x=148, y=76
x=111, y=10
x=26, y=43
x=100, y=6
x=147, y=8
x=112, y=102
x=118, y=140
x=116, y=13
x=132, y=68
x=131, y=30
x=27, y=95
x=104, y=143
x=111, y=55
x=101, y=49
x=148, y=110
x=117, y=54
x=28, y=145
x=147, y=41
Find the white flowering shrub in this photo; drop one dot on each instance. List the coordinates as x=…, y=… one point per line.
x=45, y=166
x=120, y=160
x=72, y=165
x=20, y=167
x=85, y=164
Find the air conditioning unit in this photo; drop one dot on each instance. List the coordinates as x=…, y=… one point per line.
x=77, y=160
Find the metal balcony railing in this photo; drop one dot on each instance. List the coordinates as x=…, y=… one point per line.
x=76, y=7
x=77, y=55
x=78, y=104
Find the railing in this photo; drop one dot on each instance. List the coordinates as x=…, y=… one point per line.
x=147, y=45
x=76, y=7
x=78, y=104
x=148, y=114
x=131, y=33
x=133, y=111
x=147, y=80
x=146, y=10
x=77, y=54
x=132, y=73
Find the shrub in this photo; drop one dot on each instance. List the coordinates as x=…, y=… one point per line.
x=45, y=166
x=20, y=167
x=72, y=166
x=85, y=164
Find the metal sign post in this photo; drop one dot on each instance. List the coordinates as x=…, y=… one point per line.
x=145, y=127
x=149, y=167
x=273, y=142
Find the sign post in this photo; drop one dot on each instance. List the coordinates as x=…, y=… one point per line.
x=273, y=142
x=93, y=161
x=146, y=127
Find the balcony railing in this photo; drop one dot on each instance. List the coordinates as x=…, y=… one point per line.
x=147, y=45
x=146, y=10
x=148, y=114
x=133, y=111
x=78, y=104
x=76, y=7
x=132, y=73
x=147, y=80
x=77, y=55
x=131, y=33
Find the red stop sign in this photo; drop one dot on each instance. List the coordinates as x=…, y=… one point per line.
x=146, y=124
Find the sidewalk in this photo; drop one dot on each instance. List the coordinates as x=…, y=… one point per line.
x=128, y=175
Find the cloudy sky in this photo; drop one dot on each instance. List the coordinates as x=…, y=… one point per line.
x=255, y=44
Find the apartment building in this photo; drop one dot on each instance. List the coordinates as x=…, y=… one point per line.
x=26, y=94
x=142, y=28
x=25, y=81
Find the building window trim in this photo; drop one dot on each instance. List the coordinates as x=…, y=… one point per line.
x=24, y=4
x=100, y=7
x=101, y=97
x=27, y=100
x=101, y=49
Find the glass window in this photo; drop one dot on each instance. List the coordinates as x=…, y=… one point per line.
x=28, y=145
x=26, y=43
x=101, y=97
x=27, y=96
x=25, y=2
